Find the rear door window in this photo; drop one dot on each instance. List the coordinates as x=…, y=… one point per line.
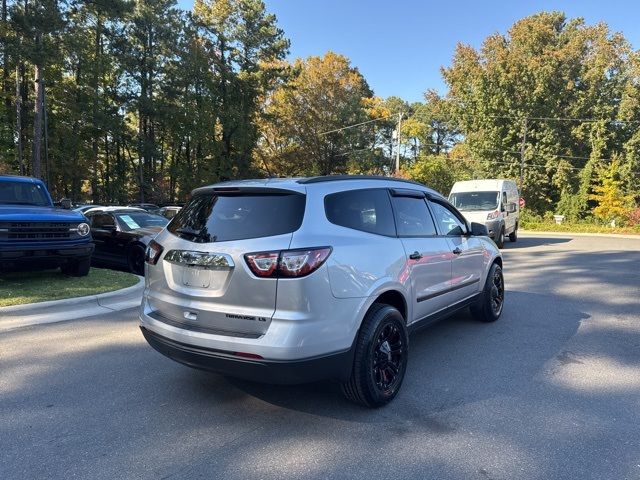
x=211, y=217
x=366, y=210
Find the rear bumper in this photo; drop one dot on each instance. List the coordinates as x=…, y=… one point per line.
x=50, y=253
x=334, y=366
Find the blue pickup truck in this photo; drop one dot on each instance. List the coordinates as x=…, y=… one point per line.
x=36, y=234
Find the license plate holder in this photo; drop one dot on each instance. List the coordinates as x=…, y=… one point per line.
x=196, y=277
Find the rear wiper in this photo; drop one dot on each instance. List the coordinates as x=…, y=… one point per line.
x=203, y=236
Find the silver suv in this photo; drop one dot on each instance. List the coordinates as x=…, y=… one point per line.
x=297, y=280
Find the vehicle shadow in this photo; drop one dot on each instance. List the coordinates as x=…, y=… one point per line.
x=451, y=362
x=534, y=241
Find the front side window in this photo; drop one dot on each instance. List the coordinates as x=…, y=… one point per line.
x=102, y=220
x=412, y=217
x=365, y=210
x=448, y=222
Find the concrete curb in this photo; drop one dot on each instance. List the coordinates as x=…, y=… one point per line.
x=75, y=300
x=70, y=308
x=580, y=234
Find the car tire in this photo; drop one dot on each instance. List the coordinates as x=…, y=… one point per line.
x=77, y=268
x=135, y=259
x=500, y=238
x=513, y=236
x=380, y=360
x=491, y=302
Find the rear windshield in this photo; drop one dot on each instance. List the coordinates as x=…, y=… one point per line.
x=220, y=218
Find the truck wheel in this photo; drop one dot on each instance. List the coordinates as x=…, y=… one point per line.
x=77, y=268
x=513, y=236
x=380, y=359
x=500, y=238
x=135, y=260
x=491, y=302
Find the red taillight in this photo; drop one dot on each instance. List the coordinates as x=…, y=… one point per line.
x=154, y=250
x=263, y=264
x=287, y=263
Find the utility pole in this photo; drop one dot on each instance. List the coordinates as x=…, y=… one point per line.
x=522, y=147
x=398, y=142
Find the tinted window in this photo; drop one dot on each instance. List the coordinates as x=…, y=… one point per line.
x=469, y=201
x=447, y=221
x=22, y=193
x=220, y=218
x=413, y=217
x=102, y=220
x=365, y=210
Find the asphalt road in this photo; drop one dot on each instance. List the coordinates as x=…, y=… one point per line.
x=551, y=391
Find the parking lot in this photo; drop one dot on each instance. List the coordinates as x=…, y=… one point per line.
x=551, y=390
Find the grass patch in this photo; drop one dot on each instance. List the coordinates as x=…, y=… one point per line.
x=578, y=228
x=17, y=288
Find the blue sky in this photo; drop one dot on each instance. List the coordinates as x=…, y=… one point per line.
x=400, y=45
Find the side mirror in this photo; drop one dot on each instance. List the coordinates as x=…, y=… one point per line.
x=479, y=230
x=65, y=203
x=510, y=207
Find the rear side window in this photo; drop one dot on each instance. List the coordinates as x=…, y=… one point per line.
x=220, y=218
x=365, y=210
x=413, y=218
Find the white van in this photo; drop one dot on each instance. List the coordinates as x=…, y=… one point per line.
x=493, y=202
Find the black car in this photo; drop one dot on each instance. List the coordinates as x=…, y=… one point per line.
x=121, y=235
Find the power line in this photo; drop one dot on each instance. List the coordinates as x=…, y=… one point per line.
x=352, y=126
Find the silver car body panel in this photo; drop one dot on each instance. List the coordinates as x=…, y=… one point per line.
x=227, y=308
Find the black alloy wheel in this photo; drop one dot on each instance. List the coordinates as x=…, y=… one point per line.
x=380, y=357
x=497, y=292
x=387, y=358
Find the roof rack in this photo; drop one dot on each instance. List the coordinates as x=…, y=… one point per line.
x=334, y=178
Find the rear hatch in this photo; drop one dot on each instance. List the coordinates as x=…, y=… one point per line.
x=202, y=281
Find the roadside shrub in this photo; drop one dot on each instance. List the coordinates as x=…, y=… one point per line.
x=633, y=220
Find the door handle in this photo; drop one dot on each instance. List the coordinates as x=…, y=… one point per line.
x=415, y=256
x=457, y=251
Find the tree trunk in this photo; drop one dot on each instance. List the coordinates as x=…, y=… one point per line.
x=19, y=118
x=37, y=120
x=6, y=84
x=94, y=113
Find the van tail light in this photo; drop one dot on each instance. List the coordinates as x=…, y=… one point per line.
x=287, y=263
x=154, y=250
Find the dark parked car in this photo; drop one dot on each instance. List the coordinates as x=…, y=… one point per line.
x=121, y=235
x=84, y=208
x=36, y=234
x=149, y=207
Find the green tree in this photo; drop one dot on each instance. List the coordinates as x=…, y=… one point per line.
x=307, y=114
x=612, y=204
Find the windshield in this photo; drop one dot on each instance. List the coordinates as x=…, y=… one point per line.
x=470, y=201
x=23, y=193
x=133, y=220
